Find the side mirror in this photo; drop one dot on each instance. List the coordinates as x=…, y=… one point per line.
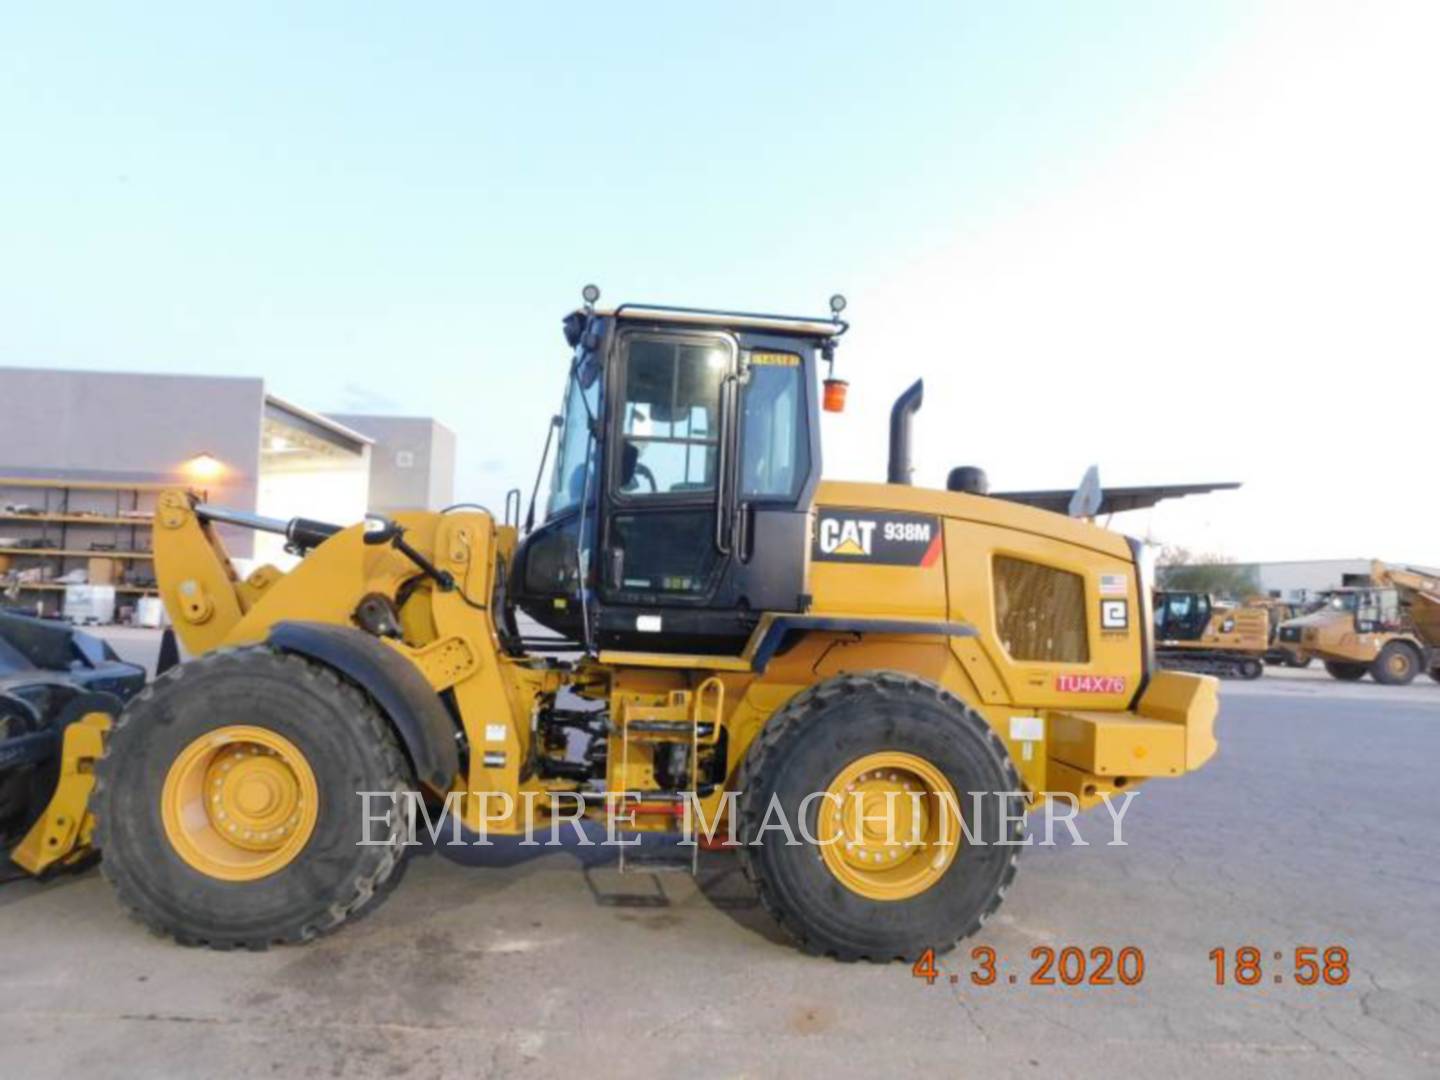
x=380, y=530
x=575, y=324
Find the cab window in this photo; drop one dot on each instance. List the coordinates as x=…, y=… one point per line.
x=1040, y=611
x=670, y=418
x=774, y=440
x=1378, y=611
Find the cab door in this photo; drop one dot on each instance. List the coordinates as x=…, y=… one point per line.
x=669, y=494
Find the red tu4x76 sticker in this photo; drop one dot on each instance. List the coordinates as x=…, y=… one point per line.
x=1090, y=684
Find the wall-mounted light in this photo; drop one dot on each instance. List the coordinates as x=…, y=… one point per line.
x=203, y=466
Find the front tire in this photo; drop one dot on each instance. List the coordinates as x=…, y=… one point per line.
x=226, y=803
x=870, y=732
x=1251, y=669
x=1345, y=671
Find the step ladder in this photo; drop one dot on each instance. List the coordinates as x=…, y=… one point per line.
x=691, y=717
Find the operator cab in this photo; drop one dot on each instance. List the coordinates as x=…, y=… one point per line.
x=1181, y=616
x=1374, y=610
x=687, y=459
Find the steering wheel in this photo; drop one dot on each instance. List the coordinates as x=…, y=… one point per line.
x=644, y=471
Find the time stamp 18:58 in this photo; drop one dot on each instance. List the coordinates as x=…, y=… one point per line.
x=1102, y=965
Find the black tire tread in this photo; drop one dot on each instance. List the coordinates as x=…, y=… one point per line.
x=1346, y=671
x=789, y=723
x=357, y=706
x=1381, y=673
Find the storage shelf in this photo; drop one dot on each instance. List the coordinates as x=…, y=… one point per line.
x=70, y=553
x=56, y=586
x=83, y=485
x=51, y=520
x=80, y=519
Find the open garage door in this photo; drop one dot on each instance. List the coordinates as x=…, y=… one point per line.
x=311, y=467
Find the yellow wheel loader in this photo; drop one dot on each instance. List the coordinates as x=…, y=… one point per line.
x=830, y=673
x=1389, y=629
x=1195, y=632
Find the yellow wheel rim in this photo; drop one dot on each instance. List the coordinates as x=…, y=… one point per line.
x=239, y=803
x=889, y=826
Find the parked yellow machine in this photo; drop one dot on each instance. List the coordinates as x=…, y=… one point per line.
x=1280, y=611
x=1389, y=629
x=735, y=638
x=1195, y=632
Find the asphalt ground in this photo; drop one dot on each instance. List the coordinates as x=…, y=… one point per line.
x=1313, y=827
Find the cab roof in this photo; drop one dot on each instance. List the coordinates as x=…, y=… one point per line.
x=798, y=326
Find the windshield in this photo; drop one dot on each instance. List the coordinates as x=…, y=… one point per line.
x=1344, y=601
x=567, y=483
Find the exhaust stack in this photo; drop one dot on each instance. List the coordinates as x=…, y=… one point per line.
x=906, y=405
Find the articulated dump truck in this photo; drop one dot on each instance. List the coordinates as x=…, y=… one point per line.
x=728, y=638
x=1388, y=629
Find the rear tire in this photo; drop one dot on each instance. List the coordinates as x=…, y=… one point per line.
x=1346, y=672
x=808, y=746
x=1397, y=664
x=1293, y=661
x=1251, y=669
x=347, y=745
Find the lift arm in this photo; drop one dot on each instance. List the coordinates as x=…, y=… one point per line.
x=203, y=594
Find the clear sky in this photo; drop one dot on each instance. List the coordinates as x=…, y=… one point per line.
x=1185, y=241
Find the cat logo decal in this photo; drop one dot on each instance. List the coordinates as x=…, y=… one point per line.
x=887, y=538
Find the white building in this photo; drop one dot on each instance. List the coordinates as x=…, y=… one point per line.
x=1302, y=579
